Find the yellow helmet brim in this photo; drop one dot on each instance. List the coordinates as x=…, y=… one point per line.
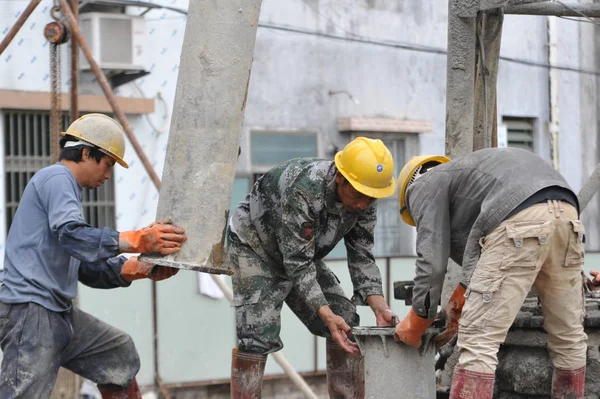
x=372, y=192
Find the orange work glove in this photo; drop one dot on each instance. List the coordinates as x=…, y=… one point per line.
x=411, y=329
x=161, y=237
x=451, y=313
x=133, y=269
x=593, y=285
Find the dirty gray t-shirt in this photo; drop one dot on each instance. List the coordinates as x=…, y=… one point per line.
x=48, y=241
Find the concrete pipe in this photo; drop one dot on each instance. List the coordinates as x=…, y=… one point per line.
x=394, y=370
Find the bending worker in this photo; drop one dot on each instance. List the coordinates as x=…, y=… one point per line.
x=512, y=222
x=294, y=216
x=49, y=248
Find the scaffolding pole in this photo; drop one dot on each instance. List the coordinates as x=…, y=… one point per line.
x=18, y=24
x=76, y=32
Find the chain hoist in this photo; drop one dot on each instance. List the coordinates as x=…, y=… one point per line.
x=56, y=33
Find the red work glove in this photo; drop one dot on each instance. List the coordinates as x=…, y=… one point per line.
x=411, y=329
x=161, y=237
x=133, y=269
x=451, y=313
x=594, y=285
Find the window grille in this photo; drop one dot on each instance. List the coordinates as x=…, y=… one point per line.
x=519, y=133
x=27, y=149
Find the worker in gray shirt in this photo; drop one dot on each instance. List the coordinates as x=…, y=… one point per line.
x=512, y=222
x=50, y=247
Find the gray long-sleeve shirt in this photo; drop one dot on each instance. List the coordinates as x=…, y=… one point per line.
x=50, y=246
x=455, y=204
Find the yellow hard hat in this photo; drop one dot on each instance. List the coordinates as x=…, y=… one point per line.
x=368, y=165
x=101, y=131
x=409, y=174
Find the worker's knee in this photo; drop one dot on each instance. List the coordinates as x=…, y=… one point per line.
x=129, y=364
x=260, y=345
x=123, y=365
x=132, y=365
x=477, y=353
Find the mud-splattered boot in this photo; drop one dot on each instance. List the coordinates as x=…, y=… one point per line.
x=247, y=371
x=116, y=392
x=471, y=384
x=345, y=373
x=568, y=384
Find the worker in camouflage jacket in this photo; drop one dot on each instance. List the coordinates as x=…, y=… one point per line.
x=278, y=236
x=512, y=222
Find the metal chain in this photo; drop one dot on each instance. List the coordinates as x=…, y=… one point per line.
x=55, y=93
x=55, y=97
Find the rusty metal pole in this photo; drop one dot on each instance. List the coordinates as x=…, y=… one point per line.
x=18, y=24
x=66, y=10
x=74, y=67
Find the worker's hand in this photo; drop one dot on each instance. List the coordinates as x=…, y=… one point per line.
x=451, y=313
x=133, y=269
x=161, y=237
x=162, y=273
x=594, y=284
x=411, y=329
x=384, y=317
x=339, y=329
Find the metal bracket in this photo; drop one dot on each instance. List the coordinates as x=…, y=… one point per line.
x=470, y=8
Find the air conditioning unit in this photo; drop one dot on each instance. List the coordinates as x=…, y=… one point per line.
x=115, y=40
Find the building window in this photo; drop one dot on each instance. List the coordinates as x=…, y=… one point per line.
x=268, y=149
x=390, y=231
x=27, y=149
x=519, y=133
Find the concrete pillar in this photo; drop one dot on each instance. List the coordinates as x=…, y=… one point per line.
x=208, y=113
x=460, y=87
x=485, y=124
x=394, y=370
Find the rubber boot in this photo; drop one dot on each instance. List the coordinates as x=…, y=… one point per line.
x=117, y=392
x=345, y=373
x=247, y=371
x=471, y=384
x=568, y=384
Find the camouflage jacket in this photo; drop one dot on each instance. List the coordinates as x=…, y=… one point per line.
x=292, y=220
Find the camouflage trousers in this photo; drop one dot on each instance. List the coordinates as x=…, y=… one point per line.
x=259, y=294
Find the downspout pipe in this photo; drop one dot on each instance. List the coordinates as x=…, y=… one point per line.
x=554, y=125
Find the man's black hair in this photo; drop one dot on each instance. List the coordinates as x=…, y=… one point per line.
x=75, y=154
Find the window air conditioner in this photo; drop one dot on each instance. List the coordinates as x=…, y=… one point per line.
x=115, y=40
